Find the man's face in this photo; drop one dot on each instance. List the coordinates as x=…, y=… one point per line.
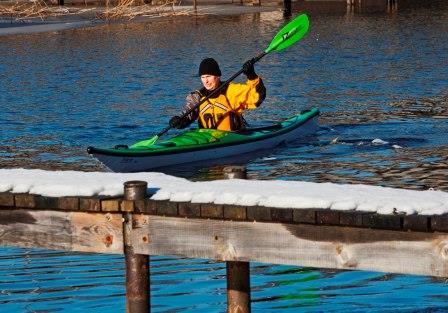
x=210, y=82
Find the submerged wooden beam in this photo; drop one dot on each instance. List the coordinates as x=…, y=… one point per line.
x=295, y=244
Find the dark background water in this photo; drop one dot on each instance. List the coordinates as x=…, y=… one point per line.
x=380, y=75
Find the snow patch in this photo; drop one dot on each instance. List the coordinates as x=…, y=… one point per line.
x=274, y=193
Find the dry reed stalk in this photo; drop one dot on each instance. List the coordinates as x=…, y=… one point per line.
x=36, y=8
x=126, y=9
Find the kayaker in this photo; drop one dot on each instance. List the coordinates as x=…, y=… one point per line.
x=223, y=111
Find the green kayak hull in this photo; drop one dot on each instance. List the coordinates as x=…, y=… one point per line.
x=204, y=144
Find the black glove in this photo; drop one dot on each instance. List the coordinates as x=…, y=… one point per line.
x=178, y=122
x=249, y=70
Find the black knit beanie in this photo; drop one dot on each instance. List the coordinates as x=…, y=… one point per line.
x=209, y=66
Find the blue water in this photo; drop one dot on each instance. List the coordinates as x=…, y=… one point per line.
x=374, y=76
x=48, y=281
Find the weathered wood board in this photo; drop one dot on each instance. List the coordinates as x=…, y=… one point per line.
x=337, y=247
x=322, y=246
x=70, y=231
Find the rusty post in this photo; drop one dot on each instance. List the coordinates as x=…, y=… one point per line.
x=238, y=273
x=238, y=287
x=137, y=265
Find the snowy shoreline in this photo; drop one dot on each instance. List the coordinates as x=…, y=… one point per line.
x=274, y=193
x=89, y=17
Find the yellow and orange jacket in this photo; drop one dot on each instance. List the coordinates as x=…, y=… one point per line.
x=224, y=112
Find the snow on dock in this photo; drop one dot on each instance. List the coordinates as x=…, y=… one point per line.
x=276, y=194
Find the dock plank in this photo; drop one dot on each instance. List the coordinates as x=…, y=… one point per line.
x=295, y=244
x=59, y=230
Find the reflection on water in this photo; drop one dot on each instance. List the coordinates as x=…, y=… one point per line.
x=48, y=281
x=352, y=7
x=379, y=79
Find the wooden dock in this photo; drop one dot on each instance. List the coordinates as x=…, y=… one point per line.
x=318, y=238
x=138, y=226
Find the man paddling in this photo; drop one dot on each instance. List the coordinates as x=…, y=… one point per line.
x=224, y=110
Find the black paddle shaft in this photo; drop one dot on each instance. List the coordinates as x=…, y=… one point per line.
x=213, y=93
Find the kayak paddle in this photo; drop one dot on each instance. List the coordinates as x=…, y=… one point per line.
x=286, y=37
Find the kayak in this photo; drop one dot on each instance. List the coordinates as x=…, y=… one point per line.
x=205, y=144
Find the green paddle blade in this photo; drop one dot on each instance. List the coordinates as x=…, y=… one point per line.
x=289, y=34
x=145, y=143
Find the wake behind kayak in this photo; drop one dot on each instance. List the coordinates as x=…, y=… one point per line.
x=204, y=144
